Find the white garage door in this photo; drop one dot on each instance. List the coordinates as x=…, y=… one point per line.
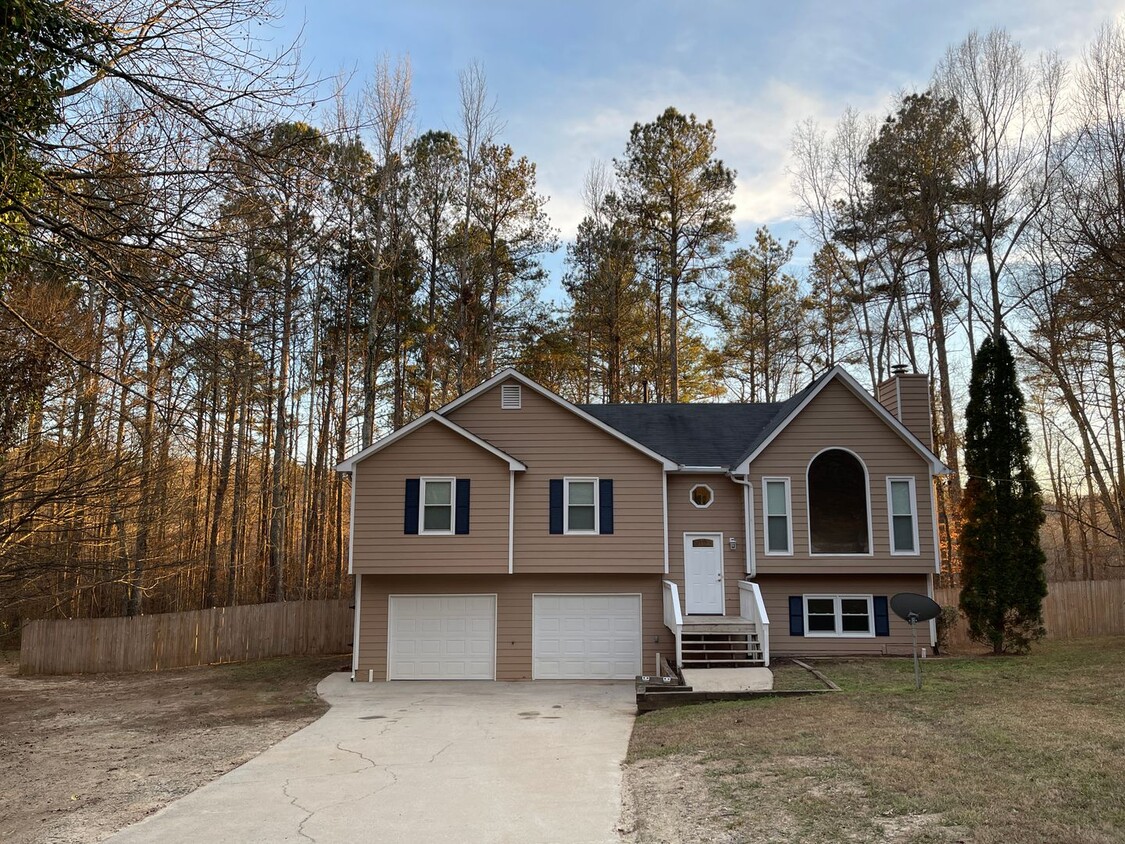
x=586, y=637
x=441, y=637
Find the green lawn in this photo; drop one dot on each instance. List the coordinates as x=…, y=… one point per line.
x=1005, y=750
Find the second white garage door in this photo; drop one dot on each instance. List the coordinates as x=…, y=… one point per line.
x=586, y=637
x=441, y=637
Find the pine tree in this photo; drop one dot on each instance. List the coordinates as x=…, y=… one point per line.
x=1003, y=581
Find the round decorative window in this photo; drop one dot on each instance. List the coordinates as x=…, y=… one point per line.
x=702, y=496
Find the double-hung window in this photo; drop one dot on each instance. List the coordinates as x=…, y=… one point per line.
x=437, y=505
x=581, y=505
x=901, y=506
x=779, y=525
x=839, y=615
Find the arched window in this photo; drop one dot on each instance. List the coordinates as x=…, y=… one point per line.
x=837, y=486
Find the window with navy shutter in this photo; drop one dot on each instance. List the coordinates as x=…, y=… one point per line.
x=882, y=617
x=581, y=505
x=605, y=506
x=841, y=616
x=410, y=511
x=796, y=615
x=556, y=505
x=462, y=498
x=436, y=506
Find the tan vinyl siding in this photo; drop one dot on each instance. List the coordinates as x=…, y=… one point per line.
x=380, y=545
x=914, y=396
x=887, y=394
x=513, y=613
x=836, y=418
x=555, y=443
x=776, y=590
x=723, y=516
x=907, y=397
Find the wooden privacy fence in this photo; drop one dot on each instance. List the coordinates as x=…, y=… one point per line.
x=176, y=640
x=1072, y=609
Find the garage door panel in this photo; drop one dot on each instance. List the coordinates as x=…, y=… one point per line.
x=591, y=636
x=441, y=637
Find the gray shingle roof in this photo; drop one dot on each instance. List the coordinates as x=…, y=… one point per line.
x=699, y=434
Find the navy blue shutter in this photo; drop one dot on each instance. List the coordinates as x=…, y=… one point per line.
x=410, y=512
x=556, y=485
x=605, y=505
x=462, y=515
x=796, y=615
x=882, y=620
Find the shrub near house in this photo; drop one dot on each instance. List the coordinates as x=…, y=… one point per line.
x=513, y=535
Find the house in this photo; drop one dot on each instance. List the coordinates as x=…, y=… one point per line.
x=513, y=535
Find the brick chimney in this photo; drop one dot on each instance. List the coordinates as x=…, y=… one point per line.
x=907, y=396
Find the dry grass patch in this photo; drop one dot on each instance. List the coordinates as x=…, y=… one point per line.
x=82, y=756
x=1021, y=750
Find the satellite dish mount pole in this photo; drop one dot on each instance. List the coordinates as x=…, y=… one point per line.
x=913, y=619
x=913, y=608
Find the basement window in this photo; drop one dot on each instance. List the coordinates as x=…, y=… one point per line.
x=838, y=615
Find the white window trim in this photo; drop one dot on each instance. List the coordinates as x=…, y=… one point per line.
x=913, y=514
x=566, y=507
x=422, y=507
x=867, y=491
x=691, y=496
x=766, y=516
x=839, y=633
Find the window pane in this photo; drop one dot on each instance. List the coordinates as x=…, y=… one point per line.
x=582, y=493
x=856, y=624
x=436, y=517
x=775, y=498
x=778, y=533
x=901, y=504
x=581, y=518
x=821, y=605
x=822, y=623
x=904, y=533
x=438, y=492
x=703, y=543
x=837, y=504
x=853, y=606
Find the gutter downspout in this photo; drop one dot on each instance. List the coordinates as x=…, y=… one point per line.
x=748, y=534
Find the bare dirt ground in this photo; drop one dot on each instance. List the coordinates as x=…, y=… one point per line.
x=83, y=756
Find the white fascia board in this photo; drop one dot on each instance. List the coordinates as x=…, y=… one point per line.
x=349, y=464
x=509, y=373
x=936, y=466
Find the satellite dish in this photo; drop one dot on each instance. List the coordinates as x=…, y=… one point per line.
x=914, y=608
x=911, y=607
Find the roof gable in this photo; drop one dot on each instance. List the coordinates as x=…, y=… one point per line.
x=792, y=408
x=429, y=418
x=512, y=374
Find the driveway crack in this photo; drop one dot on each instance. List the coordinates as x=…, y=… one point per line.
x=371, y=763
x=308, y=814
x=436, y=755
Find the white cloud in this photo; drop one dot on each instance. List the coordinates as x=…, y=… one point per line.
x=753, y=132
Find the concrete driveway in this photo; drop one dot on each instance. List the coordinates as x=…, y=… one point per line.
x=465, y=762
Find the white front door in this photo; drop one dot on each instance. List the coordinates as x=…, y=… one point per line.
x=703, y=573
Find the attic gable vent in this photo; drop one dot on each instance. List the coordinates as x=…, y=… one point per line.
x=510, y=397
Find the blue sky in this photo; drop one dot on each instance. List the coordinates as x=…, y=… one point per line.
x=571, y=78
